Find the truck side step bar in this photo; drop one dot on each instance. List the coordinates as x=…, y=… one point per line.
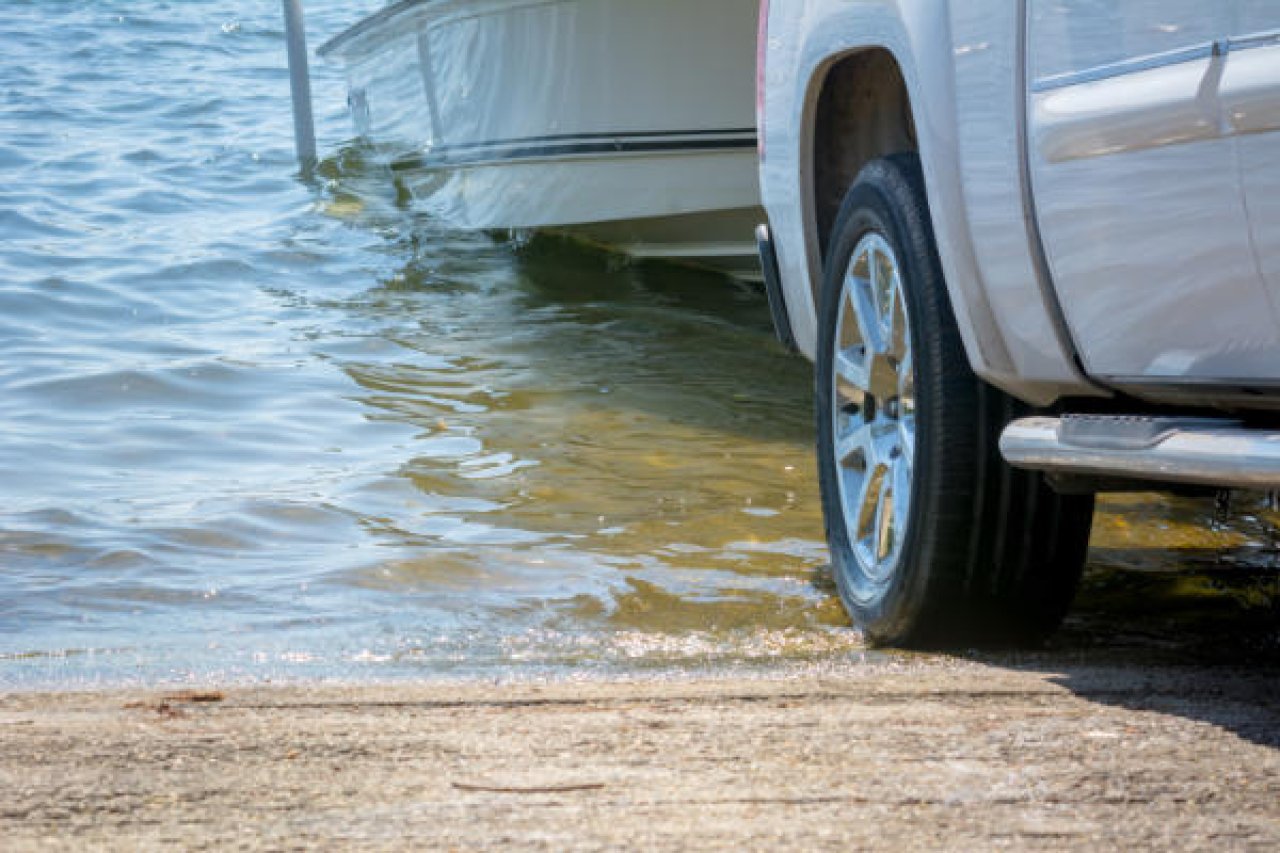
x=1196, y=451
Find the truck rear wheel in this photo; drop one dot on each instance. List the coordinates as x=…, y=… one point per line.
x=934, y=539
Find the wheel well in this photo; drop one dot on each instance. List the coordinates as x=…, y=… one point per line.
x=863, y=112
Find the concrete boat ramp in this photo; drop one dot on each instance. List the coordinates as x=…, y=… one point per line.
x=921, y=752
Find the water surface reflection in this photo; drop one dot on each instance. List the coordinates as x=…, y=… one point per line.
x=255, y=428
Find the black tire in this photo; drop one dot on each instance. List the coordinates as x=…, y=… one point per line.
x=990, y=554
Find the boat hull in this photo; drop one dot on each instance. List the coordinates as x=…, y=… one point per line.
x=629, y=123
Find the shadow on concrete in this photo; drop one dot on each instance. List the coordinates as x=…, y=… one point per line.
x=1198, y=638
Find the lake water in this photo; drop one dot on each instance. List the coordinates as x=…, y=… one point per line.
x=257, y=428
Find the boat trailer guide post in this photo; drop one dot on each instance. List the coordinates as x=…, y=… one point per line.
x=304, y=130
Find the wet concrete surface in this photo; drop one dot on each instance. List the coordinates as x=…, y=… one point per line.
x=1152, y=721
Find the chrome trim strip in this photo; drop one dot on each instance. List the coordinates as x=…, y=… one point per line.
x=1129, y=66
x=1268, y=38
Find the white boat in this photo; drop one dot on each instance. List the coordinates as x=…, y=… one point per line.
x=630, y=123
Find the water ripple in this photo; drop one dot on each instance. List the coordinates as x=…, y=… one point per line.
x=254, y=426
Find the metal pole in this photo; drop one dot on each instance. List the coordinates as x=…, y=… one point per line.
x=304, y=130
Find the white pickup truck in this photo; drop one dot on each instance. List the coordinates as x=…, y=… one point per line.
x=1033, y=247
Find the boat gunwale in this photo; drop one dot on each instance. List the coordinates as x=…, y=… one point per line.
x=362, y=26
x=366, y=26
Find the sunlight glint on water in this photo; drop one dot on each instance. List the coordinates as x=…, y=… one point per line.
x=257, y=429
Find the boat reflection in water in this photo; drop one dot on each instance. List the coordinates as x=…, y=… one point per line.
x=630, y=124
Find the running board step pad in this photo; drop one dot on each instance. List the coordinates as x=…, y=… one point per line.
x=1200, y=451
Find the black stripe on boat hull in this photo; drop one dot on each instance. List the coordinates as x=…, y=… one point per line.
x=578, y=145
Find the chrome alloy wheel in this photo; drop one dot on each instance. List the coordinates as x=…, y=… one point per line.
x=874, y=407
